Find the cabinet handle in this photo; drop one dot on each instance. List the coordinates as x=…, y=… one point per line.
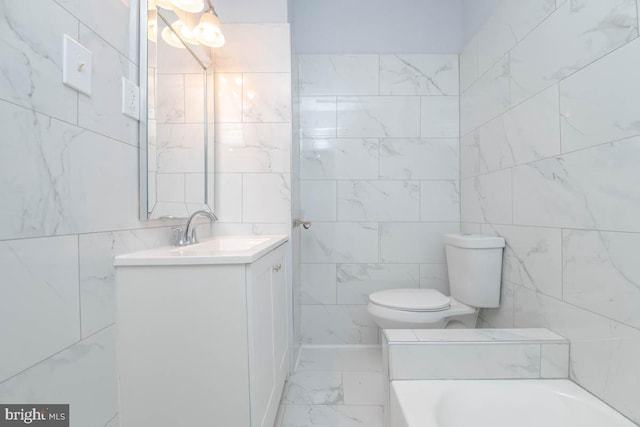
x=277, y=267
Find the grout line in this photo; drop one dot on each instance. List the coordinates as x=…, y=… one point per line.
x=112, y=418
x=79, y=288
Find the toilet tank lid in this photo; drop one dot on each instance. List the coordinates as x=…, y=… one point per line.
x=473, y=241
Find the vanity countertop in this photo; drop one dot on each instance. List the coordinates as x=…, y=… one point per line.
x=218, y=250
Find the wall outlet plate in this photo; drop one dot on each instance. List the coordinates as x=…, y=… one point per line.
x=130, y=99
x=76, y=65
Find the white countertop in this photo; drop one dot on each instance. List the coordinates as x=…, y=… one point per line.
x=218, y=250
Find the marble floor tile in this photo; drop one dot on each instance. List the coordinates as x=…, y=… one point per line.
x=360, y=358
x=320, y=388
x=362, y=388
x=332, y=416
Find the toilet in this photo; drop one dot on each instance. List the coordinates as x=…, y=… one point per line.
x=474, y=263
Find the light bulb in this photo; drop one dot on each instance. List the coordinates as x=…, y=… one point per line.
x=165, y=4
x=151, y=4
x=152, y=26
x=208, y=30
x=172, y=40
x=193, y=6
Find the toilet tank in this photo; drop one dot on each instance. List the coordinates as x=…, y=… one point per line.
x=474, y=263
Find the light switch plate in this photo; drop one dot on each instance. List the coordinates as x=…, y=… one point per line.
x=76, y=69
x=130, y=99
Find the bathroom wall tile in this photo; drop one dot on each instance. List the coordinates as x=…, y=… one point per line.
x=266, y=198
x=339, y=158
x=194, y=191
x=514, y=138
x=469, y=64
x=266, y=97
x=440, y=116
x=494, y=336
x=601, y=273
x=253, y=147
x=318, y=116
x=83, y=376
x=593, y=188
x=378, y=200
x=332, y=415
x=40, y=281
x=194, y=86
x=440, y=201
x=318, y=200
x=624, y=373
x=228, y=97
x=501, y=317
x=579, y=36
x=554, y=361
x=359, y=358
x=487, y=198
x=102, y=112
x=601, y=103
x=508, y=25
x=398, y=335
x=115, y=422
x=257, y=48
x=468, y=228
x=180, y=148
x=170, y=187
x=357, y=281
x=318, y=284
x=430, y=158
x=419, y=75
x=532, y=257
x=170, y=101
x=31, y=69
x=362, y=388
x=435, y=276
x=317, y=388
x=97, y=273
x=464, y=361
x=338, y=324
x=487, y=98
x=338, y=74
x=340, y=242
x=228, y=197
x=368, y=116
x=414, y=242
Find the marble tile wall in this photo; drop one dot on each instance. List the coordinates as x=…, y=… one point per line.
x=379, y=180
x=550, y=148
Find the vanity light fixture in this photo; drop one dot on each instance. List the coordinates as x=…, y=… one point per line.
x=193, y=6
x=152, y=25
x=208, y=31
x=171, y=38
x=165, y=4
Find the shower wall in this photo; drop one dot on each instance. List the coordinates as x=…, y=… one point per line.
x=550, y=155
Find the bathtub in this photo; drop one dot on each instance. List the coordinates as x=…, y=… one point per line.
x=498, y=403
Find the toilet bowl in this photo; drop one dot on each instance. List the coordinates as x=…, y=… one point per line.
x=474, y=263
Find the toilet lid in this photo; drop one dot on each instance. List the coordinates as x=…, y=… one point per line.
x=411, y=299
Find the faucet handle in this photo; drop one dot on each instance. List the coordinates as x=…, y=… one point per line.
x=179, y=233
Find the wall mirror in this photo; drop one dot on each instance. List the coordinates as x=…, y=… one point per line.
x=176, y=120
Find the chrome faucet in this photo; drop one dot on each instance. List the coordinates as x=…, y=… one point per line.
x=187, y=236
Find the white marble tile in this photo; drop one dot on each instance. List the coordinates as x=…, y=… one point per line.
x=97, y=273
x=318, y=388
x=601, y=273
x=495, y=336
x=419, y=74
x=435, y=276
x=338, y=325
x=253, y=147
x=624, y=374
x=31, y=69
x=228, y=197
x=115, y=422
x=440, y=201
x=554, y=361
x=487, y=198
x=318, y=200
x=317, y=284
x=469, y=64
x=580, y=32
x=194, y=95
x=102, y=111
x=228, y=97
x=170, y=187
x=340, y=358
x=180, y=148
x=266, y=97
x=378, y=116
x=170, y=98
x=464, y=361
x=83, y=376
x=338, y=74
x=252, y=47
x=318, y=116
x=593, y=188
x=266, y=198
x=398, y=335
x=194, y=192
x=362, y=388
x=40, y=281
x=378, y=200
x=532, y=257
x=429, y=158
x=331, y=416
x=440, y=116
x=507, y=26
x=601, y=103
x=501, y=317
x=355, y=282
x=340, y=242
x=339, y=159
x=515, y=137
x=487, y=98
x=414, y=242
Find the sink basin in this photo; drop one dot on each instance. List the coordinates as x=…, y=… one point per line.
x=219, y=250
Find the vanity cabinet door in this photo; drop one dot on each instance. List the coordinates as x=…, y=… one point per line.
x=280, y=318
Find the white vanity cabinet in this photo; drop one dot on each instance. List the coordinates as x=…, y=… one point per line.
x=203, y=340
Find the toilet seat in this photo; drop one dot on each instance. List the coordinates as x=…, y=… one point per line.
x=414, y=300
